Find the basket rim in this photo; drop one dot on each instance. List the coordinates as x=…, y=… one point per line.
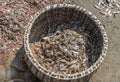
x=35, y=63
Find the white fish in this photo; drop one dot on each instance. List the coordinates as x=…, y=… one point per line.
x=116, y=12
x=106, y=14
x=117, y=5
x=103, y=13
x=45, y=38
x=109, y=12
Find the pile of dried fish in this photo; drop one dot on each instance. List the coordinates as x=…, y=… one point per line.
x=14, y=16
x=108, y=8
x=62, y=52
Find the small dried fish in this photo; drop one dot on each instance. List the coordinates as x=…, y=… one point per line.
x=106, y=14
x=48, y=60
x=61, y=48
x=116, y=12
x=63, y=60
x=62, y=54
x=97, y=7
x=107, y=7
x=103, y=13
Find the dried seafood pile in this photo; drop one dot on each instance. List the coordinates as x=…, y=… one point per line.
x=108, y=8
x=12, y=22
x=14, y=16
x=62, y=52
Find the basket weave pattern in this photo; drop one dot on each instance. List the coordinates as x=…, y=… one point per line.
x=62, y=13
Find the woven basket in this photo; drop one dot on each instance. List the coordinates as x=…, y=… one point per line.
x=51, y=16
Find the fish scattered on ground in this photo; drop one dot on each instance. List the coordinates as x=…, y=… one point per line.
x=108, y=8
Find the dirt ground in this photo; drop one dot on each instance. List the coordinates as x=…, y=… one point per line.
x=109, y=71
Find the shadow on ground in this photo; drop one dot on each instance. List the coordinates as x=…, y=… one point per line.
x=22, y=69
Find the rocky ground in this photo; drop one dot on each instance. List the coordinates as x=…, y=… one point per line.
x=14, y=15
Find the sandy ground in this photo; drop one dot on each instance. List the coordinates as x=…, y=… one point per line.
x=109, y=71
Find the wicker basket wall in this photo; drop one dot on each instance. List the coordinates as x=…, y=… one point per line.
x=47, y=20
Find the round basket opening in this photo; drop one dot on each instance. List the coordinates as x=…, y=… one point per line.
x=63, y=17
